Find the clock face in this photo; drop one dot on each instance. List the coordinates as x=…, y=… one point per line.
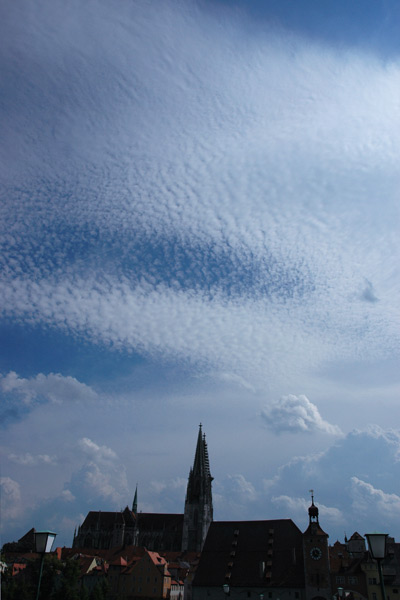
x=315, y=553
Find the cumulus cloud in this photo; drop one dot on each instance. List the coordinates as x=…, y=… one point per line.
x=99, y=453
x=10, y=498
x=368, y=499
x=241, y=488
x=296, y=414
x=53, y=387
x=355, y=479
x=67, y=496
x=101, y=476
x=299, y=507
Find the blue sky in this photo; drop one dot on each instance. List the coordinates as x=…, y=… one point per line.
x=200, y=223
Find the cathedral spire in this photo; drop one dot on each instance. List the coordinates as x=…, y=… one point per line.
x=134, y=504
x=201, y=464
x=198, y=505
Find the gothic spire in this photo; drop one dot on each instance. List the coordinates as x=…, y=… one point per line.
x=134, y=504
x=201, y=465
x=198, y=504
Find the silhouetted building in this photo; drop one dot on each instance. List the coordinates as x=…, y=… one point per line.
x=155, y=531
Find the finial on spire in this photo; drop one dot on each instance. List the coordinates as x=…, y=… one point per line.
x=312, y=495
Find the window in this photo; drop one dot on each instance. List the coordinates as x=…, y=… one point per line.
x=372, y=580
x=374, y=596
x=352, y=579
x=339, y=579
x=249, y=594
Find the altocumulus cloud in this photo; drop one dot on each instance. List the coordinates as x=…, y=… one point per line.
x=187, y=207
x=296, y=414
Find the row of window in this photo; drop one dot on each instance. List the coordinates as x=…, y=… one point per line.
x=350, y=579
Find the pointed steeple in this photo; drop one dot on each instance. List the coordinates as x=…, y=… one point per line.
x=134, y=504
x=198, y=504
x=200, y=477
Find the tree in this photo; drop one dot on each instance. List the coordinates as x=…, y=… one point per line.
x=68, y=586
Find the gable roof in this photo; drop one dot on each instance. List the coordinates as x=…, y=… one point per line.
x=252, y=554
x=104, y=520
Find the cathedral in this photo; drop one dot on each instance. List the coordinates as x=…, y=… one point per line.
x=178, y=532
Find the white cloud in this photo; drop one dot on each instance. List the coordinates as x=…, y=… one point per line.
x=10, y=498
x=274, y=217
x=296, y=414
x=67, y=496
x=158, y=486
x=370, y=500
x=53, y=387
x=298, y=507
x=31, y=460
x=101, y=476
x=241, y=489
x=99, y=453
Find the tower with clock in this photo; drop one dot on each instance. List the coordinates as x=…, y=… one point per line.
x=316, y=558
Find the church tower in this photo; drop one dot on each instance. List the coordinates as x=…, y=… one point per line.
x=316, y=558
x=198, y=504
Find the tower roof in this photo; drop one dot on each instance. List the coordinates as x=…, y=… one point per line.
x=314, y=527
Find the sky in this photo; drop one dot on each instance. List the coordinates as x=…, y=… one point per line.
x=200, y=224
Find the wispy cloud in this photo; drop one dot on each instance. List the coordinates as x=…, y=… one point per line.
x=31, y=460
